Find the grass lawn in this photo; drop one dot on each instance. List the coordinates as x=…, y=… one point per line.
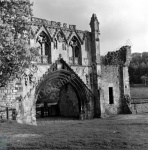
x=139, y=92
x=116, y=133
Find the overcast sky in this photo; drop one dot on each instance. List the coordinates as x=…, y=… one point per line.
x=120, y=20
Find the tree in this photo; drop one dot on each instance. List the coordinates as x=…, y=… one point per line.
x=15, y=29
x=138, y=67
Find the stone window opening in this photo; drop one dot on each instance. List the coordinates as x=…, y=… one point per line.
x=60, y=38
x=55, y=43
x=111, y=97
x=76, y=51
x=45, y=50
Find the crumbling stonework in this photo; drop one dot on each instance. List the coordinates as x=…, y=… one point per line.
x=88, y=88
x=115, y=75
x=110, y=78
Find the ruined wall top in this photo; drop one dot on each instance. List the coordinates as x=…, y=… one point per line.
x=53, y=24
x=121, y=57
x=53, y=28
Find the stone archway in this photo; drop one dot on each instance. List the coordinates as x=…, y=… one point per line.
x=59, y=71
x=57, y=102
x=69, y=96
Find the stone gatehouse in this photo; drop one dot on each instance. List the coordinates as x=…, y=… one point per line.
x=70, y=79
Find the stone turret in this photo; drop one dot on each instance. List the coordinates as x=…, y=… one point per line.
x=96, y=70
x=94, y=24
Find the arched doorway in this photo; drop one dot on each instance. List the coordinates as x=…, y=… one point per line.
x=58, y=97
x=76, y=100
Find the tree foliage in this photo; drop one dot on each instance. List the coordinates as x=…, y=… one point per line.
x=138, y=67
x=15, y=29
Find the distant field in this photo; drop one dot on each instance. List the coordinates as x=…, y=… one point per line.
x=139, y=92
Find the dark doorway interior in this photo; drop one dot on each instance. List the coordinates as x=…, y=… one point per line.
x=58, y=103
x=111, y=97
x=47, y=110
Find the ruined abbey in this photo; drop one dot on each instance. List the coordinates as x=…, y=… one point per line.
x=70, y=79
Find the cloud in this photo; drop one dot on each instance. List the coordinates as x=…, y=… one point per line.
x=119, y=19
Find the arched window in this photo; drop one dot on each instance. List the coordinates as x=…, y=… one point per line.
x=61, y=39
x=45, y=47
x=76, y=51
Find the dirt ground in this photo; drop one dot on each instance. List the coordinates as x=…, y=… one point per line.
x=121, y=132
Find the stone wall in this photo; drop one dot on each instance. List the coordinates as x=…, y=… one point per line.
x=119, y=57
x=9, y=96
x=16, y=90
x=110, y=78
x=139, y=108
x=62, y=45
x=26, y=107
x=126, y=81
x=115, y=74
x=68, y=104
x=99, y=79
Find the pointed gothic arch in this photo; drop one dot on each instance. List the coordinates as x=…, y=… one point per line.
x=59, y=70
x=45, y=43
x=76, y=51
x=60, y=37
x=44, y=29
x=57, y=96
x=58, y=80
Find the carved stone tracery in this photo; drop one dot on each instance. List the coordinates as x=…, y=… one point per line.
x=76, y=51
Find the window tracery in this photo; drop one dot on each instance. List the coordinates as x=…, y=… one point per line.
x=61, y=39
x=76, y=51
x=45, y=50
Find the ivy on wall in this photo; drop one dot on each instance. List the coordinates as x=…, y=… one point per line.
x=15, y=29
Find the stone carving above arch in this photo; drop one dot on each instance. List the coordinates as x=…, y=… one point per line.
x=74, y=34
x=51, y=31
x=60, y=37
x=41, y=30
x=42, y=38
x=66, y=33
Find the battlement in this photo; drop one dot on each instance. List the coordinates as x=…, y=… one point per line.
x=39, y=22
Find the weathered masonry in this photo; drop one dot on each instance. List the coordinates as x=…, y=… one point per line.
x=70, y=80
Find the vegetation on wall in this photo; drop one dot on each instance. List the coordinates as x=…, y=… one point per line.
x=15, y=29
